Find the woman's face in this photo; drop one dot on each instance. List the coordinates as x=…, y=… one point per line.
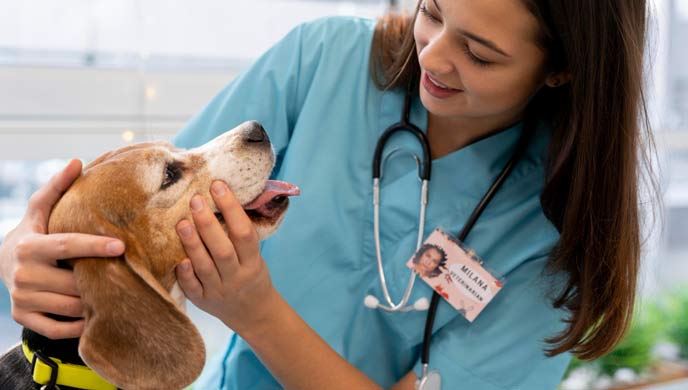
x=429, y=260
x=483, y=56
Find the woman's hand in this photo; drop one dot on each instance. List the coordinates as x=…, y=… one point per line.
x=28, y=263
x=229, y=279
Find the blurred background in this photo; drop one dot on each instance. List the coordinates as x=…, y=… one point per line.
x=80, y=77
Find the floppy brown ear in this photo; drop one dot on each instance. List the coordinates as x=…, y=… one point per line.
x=135, y=336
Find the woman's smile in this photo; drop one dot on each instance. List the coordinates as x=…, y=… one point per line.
x=437, y=89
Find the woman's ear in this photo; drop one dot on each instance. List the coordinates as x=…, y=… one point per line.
x=557, y=79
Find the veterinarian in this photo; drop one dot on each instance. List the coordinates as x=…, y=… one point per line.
x=429, y=260
x=562, y=231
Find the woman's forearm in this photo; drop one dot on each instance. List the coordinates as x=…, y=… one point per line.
x=297, y=356
x=233, y=284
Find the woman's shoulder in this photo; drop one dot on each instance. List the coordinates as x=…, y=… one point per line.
x=330, y=50
x=338, y=34
x=352, y=27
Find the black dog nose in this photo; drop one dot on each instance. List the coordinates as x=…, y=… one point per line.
x=256, y=133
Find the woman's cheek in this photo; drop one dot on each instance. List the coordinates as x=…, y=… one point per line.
x=516, y=86
x=489, y=90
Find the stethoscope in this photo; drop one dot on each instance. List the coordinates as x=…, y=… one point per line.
x=430, y=379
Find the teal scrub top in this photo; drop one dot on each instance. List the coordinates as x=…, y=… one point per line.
x=313, y=94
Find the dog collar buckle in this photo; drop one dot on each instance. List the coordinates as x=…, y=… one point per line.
x=52, y=382
x=45, y=372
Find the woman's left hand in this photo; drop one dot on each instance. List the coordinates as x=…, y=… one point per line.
x=229, y=279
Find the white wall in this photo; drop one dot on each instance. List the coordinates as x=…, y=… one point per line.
x=62, y=113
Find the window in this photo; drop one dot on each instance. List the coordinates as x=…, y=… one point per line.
x=80, y=77
x=672, y=136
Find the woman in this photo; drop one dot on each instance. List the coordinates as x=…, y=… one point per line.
x=562, y=229
x=429, y=260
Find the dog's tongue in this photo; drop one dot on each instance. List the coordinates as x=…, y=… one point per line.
x=273, y=188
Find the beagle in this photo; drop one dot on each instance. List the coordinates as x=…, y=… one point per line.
x=136, y=334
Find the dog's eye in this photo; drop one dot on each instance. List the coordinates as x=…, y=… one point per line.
x=172, y=174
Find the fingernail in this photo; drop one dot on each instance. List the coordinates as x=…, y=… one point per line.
x=219, y=188
x=185, y=230
x=114, y=247
x=184, y=266
x=196, y=203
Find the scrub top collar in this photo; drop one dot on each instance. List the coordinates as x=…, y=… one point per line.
x=459, y=180
x=467, y=172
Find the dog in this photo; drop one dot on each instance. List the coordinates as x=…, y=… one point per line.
x=136, y=335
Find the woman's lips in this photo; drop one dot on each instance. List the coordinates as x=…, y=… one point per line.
x=436, y=91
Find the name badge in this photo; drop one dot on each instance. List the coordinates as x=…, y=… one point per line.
x=456, y=273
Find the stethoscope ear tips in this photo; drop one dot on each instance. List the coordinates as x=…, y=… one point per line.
x=371, y=302
x=421, y=304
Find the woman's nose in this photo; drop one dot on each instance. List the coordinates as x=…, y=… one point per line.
x=435, y=56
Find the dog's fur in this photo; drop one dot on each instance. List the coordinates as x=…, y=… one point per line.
x=136, y=335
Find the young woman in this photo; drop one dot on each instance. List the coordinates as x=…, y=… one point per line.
x=562, y=229
x=429, y=260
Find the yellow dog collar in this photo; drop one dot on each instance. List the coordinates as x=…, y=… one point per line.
x=51, y=370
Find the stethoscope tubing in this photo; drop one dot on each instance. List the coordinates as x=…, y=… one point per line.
x=404, y=125
x=424, y=172
x=472, y=219
x=401, y=306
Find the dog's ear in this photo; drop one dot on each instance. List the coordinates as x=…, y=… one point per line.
x=134, y=335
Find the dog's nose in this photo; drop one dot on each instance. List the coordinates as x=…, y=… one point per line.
x=256, y=133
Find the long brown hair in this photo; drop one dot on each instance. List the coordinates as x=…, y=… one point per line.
x=596, y=155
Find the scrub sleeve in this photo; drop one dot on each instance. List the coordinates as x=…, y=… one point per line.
x=313, y=95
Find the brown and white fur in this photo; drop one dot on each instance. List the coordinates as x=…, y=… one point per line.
x=136, y=334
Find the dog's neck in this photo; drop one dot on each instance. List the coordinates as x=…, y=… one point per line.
x=67, y=350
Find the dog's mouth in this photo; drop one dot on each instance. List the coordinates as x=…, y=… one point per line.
x=270, y=203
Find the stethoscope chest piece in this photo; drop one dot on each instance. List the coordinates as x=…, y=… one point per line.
x=431, y=381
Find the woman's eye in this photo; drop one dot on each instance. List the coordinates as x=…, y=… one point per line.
x=472, y=57
x=426, y=12
x=475, y=59
x=171, y=175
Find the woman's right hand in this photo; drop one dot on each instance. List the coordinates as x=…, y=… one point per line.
x=28, y=263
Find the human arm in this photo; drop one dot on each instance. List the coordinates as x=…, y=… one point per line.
x=312, y=70
x=232, y=282
x=502, y=349
x=28, y=263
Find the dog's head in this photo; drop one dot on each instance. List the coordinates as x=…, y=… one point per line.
x=136, y=335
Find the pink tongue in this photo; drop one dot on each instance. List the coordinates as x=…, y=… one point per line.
x=272, y=189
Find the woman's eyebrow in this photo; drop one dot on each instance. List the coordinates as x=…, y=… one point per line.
x=483, y=41
x=437, y=5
